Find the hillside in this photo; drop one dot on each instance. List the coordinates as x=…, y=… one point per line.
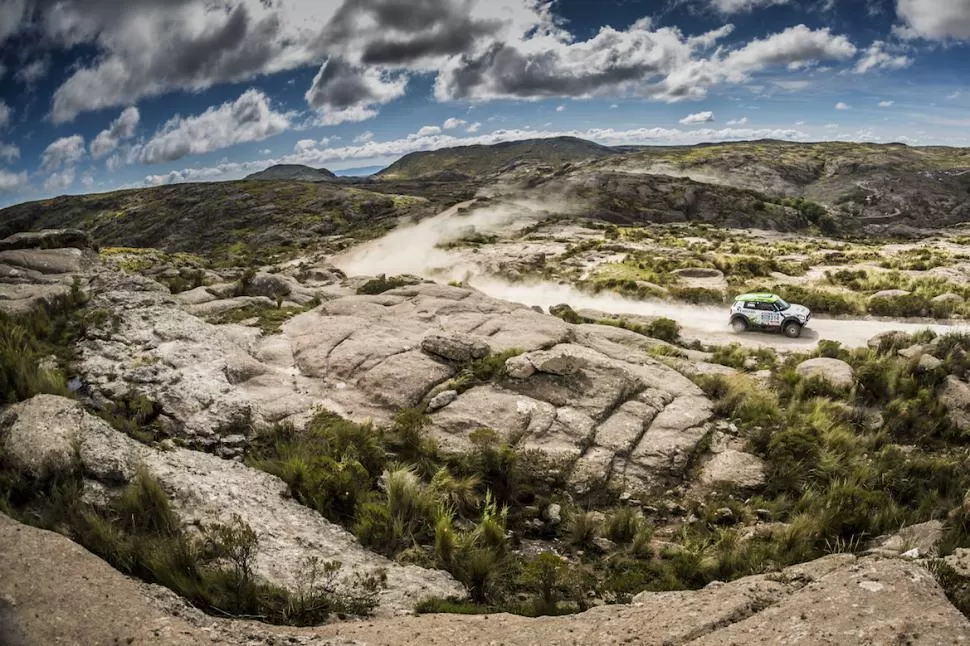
x=294, y=173
x=872, y=185
x=476, y=161
x=220, y=218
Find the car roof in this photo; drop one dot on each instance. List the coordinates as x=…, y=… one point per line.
x=759, y=298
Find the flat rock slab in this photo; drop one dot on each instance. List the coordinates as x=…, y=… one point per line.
x=45, y=261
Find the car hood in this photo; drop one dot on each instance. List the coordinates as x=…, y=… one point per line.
x=798, y=311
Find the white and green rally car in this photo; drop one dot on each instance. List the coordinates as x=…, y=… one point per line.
x=768, y=312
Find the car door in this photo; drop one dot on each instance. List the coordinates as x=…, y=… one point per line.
x=771, y=316
x=751, y=312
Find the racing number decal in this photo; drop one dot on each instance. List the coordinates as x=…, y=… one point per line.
x=770, y=318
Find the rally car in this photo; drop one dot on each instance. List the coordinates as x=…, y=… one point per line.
x=768, y=312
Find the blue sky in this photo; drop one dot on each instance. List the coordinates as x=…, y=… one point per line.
x=97, y=94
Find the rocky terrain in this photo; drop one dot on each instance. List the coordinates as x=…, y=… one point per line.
x=445, y=404
x=837, y=600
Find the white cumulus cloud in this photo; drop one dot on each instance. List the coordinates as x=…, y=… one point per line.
x=743, y=121
x=452, y=123
x=698, y=117
x=120, y=129
x=934, y=19
x=886, y=104
x=11, y=182
x=877, y=58
x=740, y=6
x=59, y=180
x=842, y=105
x=64, y=151
x=9, y=152
x=248, y=118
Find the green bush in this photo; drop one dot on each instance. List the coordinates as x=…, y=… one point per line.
x=742, y=398
x=332, y=466
x=664, y=329
x=623, y=525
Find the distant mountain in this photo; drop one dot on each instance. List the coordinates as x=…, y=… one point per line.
x=362, y=171
x=476, y=161
x=294, y=173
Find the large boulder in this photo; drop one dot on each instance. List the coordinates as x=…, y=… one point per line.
x=835, y=371
x=955, y=396
x=890, y=338
x=455, y=346
x=278, y=286
x=48, y=434
x=44, y=261
x=889, y=294
x=949, y=298
x=559, y=361
x=733, y=468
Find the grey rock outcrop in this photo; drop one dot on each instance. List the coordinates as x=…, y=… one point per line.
x=955, y=396
x=889, y=293
x=589, y=397
x=835, y=371
x=40, y=266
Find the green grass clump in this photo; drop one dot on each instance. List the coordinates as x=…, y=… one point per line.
x=28, y=339
x=269, y=319
x=664, y=329
x=742, y=398
x=740, y=358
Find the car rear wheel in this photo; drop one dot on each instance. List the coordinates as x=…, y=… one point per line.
x=792, y=329
x=739, y=325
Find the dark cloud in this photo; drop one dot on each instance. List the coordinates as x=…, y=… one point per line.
x=505, y=71
x=398, y=32
x=174, y=54
x=344, y=92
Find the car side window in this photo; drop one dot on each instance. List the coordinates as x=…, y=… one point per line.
x=750, y=306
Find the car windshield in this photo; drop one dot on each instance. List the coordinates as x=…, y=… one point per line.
x=782, y=305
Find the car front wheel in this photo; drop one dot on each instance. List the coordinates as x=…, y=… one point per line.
x=739, y=325
x=792, y=330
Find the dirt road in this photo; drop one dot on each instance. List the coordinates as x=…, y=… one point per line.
x=708, y=324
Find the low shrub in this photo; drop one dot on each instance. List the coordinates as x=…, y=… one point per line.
x=664, y=329
x=742, y=398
